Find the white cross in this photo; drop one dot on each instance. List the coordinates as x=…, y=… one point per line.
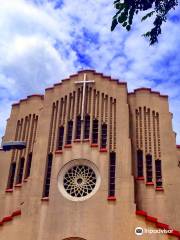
x=84, y=82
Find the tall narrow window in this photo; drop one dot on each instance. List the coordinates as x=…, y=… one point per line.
x=112, y=168
x=60, y=138
x=69, y=132
x=86, y=126
x=149, y=168
x=95, y=131
x=158, y=173
x=103, y=135
x=140, y=163
x=47, y=175
x=78, y=127
x=20, y=171
x=28, y=165
x=12, y=171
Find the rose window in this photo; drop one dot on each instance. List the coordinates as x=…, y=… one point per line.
x=79, y=181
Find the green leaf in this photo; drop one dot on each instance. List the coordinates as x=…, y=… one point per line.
x=122, y=18
x=114, y=24
x=147, y=34
x=128, y=27
x=120, y=6
x=147, y=15
x=124, y=24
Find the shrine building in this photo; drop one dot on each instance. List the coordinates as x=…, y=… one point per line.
x=89, y=160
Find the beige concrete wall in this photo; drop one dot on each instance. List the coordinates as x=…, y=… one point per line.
x=10, y=201
x=161, y=204
x=96, y=217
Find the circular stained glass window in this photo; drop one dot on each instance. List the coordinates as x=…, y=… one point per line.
x=79, y=180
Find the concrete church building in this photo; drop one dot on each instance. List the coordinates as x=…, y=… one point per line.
x=98, y=162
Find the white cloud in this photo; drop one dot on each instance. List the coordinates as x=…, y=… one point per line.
x=40, y=45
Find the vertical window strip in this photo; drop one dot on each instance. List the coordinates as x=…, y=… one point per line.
x=149, y=130
x=17, y=130
x=31, y=133
x=102, y=107
x=86, y=126
x=20, y=171
x=149, y=173
x=95, y=132
x=114, y=133
x=137, y=129
x=16, y=137
x=158, y=173
x=19, y=153
x=24, y=129
x=140, y=126
x=11, y=176
x=78, y=127
x=90, y=97
x=54, y=125
x=78, y=102
x=51, y=127
x=27, y=134
x=112, y=170
x=35, y=119
x=69, y=106
x=35, y=131
x=110, y=126
x=94, y=104
x=154, y=135
x=69, y=132
x=106, y=109
x=47, y=179
x=21, y=130
x=158, y=135
x=97, y=110
x=23, y=134
x=73, y=104
x=140, y=163
x=81, y=98
x=74, y=112
x=60, y=122
x=60, y=138
x=86, y=100
x=104, y=136
x=28, y=166
x=145, y=130
x=60, y=130
x=64, y=112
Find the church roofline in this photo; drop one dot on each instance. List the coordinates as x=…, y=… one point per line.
x=86, y=71
x=95, y=73
x=149, y=90
x=101, y=74
x=49, y=88
x=26, y=99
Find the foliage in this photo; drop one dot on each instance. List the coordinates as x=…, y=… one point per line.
x=125, y=11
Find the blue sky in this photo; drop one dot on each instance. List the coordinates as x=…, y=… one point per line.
x=43, y=41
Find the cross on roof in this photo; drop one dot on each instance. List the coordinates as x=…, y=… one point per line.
x=84, y=82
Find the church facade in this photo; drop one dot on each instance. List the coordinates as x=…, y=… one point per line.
x=99, y=163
